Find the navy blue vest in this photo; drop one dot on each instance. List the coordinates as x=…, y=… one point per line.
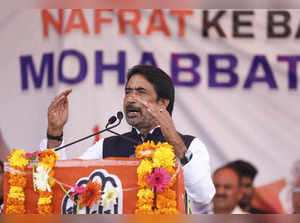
x=116, y=146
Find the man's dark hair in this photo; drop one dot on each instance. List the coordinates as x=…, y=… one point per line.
x=161, y=82
x=244, y=168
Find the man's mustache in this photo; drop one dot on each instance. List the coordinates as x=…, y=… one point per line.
x=221, y=196
x=132, y=108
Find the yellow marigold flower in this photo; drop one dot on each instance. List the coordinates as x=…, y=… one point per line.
x=16, y=192
x=45, y=200
x=164, y=156
x=16, y=158
x=145, y=167
x=145, y=193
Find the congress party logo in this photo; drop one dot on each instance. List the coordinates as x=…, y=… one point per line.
x=106, y=180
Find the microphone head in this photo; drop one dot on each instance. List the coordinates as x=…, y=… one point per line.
x=111, y=120
x=120, y=115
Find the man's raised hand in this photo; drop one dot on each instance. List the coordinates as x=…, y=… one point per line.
x=58, y=113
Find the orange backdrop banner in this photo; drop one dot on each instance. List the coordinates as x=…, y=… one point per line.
x=118, y=172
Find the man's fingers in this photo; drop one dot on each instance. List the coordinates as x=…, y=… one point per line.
x=67, y=92
x=61, y=98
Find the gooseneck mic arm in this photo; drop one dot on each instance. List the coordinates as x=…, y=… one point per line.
x=110, y=121
x=120, y=117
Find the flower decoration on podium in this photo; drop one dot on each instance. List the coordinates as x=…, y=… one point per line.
x=156, y=176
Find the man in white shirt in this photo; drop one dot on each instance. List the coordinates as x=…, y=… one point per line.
x=148, y=106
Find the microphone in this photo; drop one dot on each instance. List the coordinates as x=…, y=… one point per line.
x=120, y=117
x=111, y=120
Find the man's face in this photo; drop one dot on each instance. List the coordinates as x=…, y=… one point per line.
x=228, y=193
x=247, y=191
x=296, y=202
x=136, y=114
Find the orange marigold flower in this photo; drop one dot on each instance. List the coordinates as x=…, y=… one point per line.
x=171, y=171
x=44, y=209
x=144, y=201
x=165, y=203
x=48, y=158
x=145, y=209
x=17, y=180
x=169, y=194
x=48, y=152
x=166, y=199
x=145, y=150
x=168, y=211
x=91, y=194
x=142, y=180
x=14, y=201
x=15, y=209
x=45, y=193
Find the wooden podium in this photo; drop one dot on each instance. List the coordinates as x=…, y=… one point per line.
x=118, y=172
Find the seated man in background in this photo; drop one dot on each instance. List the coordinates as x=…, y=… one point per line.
x=228, y=192
x=247, y=173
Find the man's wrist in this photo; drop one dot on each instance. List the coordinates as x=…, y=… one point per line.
x=186, y=158
x=54, y=131
x=55, y=134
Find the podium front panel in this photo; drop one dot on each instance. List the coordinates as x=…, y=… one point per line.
x=116, y=172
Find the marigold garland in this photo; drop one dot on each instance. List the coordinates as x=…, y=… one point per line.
x=17, y=182
x=157, y=159
x=18, y=161
x=43, y=180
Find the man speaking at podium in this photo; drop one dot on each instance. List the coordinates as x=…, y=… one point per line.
x=148, y=105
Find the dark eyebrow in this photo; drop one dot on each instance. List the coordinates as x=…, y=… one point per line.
x=137, y=89
x=140, y=89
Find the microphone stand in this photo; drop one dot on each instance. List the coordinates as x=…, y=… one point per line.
x=124, y=137
x=79, y=140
